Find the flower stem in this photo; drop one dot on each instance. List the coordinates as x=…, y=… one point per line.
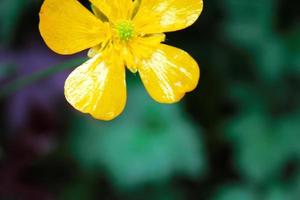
x=23, y=82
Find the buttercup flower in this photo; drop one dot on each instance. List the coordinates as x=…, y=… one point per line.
x=121, y=33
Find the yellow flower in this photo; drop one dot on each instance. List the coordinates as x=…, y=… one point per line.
x=121, y=33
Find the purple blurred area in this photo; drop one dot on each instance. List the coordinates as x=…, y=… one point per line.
x=33, y=119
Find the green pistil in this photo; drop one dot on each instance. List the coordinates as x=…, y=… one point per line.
x=125, y=30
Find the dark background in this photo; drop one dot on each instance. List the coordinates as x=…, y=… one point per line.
x=236, y=137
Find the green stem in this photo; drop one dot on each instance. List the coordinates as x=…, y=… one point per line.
x=37, y=76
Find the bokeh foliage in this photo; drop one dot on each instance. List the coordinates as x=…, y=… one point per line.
x=234, y=138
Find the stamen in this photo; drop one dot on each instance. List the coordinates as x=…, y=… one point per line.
x=125, y=30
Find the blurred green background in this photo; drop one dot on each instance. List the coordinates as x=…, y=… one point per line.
x=236, y=137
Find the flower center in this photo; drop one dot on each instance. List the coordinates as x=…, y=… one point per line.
x=125, y=30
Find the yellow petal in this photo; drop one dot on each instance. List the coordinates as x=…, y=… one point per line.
x=115, y=10
x=169, y=73
x=157, y=16
x=67, y=27
x=143, y=46
x=99, y=14
x=140, y=47
x=98, y=87
x=129, y=59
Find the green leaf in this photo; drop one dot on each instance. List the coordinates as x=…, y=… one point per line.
x=10, y=14
x=235, y=192
x=263, y=145
x=149, y=143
